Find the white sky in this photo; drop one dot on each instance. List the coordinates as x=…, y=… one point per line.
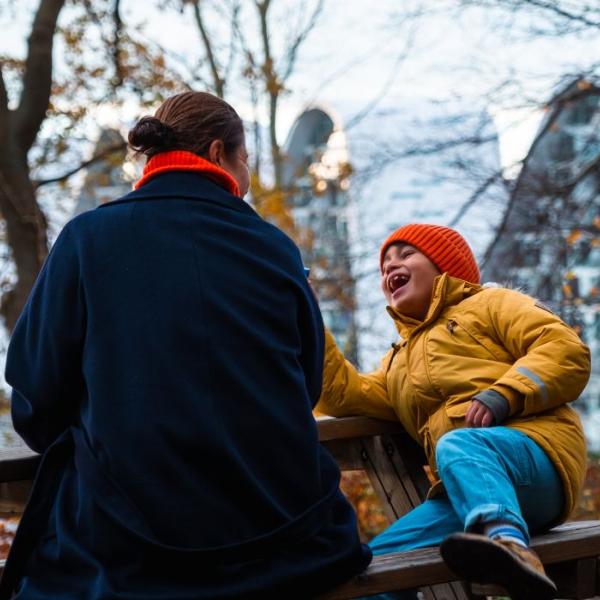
x=447, y=54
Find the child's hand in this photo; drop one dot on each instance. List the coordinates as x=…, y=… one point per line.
x=479, y=415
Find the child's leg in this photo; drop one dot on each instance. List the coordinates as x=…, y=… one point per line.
x=426, y=525
x=499, y=474
x=500, y=482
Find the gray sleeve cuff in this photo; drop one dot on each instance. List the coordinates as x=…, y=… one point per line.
x=496, y=402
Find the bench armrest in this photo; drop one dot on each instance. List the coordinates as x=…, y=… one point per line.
x=333, y=428
x=17, y=464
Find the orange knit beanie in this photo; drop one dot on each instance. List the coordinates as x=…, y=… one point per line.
x=444, y=247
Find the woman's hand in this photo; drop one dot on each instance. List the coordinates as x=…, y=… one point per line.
x=479, y=415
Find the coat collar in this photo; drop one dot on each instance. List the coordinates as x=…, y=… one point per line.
x=188, y=185
x=447, y=291
x=181, y=160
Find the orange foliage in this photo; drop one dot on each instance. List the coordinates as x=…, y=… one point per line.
x=8, y=527
x=574, y=236
x=589, y=502
x=369, y=513
x=272, y=205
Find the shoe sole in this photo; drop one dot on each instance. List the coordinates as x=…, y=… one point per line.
x=472, y=557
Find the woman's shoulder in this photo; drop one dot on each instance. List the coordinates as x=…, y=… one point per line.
x=93, y=222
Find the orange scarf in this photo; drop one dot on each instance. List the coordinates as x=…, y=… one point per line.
x=181, y=160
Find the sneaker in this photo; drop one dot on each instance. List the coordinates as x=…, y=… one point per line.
x=502, y=562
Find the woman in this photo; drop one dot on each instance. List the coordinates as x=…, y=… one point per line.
x=166, y=365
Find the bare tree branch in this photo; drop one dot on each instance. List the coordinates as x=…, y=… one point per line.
x=98, y=157
x=3, y=105
x=474, y=197
x=558, y=106
x=250, y=72
x=234, y=20
x=389, y=156
x=501, y=229
x=116, y=49
x=555, y=8
x=292, y=52
x=273, y=87
x=3, y=94
x=218, y=81
x=375, y=50
x=193, y=76
x=366, y=110
x=563, y=17
x=37, y=80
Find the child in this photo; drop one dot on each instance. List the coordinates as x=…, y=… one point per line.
x=481, y=379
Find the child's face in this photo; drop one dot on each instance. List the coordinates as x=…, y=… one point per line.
x=407, y=280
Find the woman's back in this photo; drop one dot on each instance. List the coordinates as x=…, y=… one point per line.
x=197, y=319
x=193, y=348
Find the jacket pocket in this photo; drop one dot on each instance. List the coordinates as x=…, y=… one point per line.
x=457, y=411
x=479, y=344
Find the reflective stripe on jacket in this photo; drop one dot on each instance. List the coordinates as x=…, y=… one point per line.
x=474, y=339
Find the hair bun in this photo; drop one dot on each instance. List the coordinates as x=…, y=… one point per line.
x=150, y=135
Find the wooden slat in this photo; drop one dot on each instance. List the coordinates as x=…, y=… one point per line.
x=378, y=482
x=449, y=591
x=14, y=496
x=407, y=460
x=417, y=568
x=386, y=482
x=405, y=570
x=347, y=454
x=389, y=476
x=331, y=428
x=571, y=541
x=18, y=463
x=575, y=579
x=584, y=579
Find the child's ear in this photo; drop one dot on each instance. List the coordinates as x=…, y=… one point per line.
x=216, y=152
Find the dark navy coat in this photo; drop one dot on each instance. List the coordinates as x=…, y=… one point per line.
x=166, y=364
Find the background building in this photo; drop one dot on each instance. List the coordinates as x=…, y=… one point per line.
x=316, y=179
x=105, y=179
x=549, y=242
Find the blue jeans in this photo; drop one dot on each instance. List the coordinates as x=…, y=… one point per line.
x=490, y=474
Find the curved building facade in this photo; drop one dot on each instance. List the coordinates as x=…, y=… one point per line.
x=316, y=179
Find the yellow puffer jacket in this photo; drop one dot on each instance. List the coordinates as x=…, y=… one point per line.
x=471, y=340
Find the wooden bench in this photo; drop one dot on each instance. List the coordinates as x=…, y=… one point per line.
x=394, y=464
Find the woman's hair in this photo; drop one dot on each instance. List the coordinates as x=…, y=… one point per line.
x=190, y=121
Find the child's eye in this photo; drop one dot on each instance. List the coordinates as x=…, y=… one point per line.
x=406, y=253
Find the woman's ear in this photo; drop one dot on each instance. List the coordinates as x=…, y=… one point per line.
x=216, y=152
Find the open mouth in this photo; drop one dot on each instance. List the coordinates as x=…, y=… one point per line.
x=397, y=281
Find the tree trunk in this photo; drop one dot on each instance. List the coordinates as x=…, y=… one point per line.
x=25, y=222
x=25, y=231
